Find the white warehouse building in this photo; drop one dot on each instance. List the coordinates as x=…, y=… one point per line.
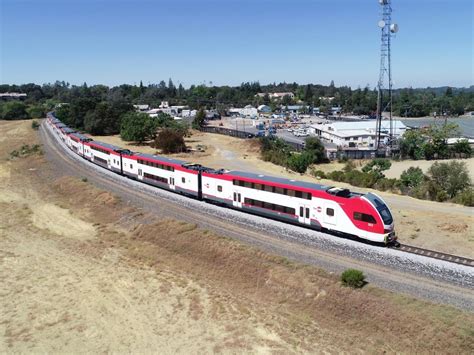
x=357, y=134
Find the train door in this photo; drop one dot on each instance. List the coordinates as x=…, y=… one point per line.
x=303, y=214
x=172, y=185
x=237, y=199
x=330, y=214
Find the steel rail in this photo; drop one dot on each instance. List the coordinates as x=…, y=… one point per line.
x=434, y=254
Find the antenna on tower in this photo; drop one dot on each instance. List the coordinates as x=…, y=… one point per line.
x=388, y=29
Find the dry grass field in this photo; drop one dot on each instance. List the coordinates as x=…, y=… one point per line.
x=83, y=271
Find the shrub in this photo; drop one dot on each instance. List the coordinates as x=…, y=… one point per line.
x=452, y=177
x=170, y=141
x=385, y=184
x=462, y=147
x=300, y=162
x=36, y=111
x=353, y=278
x=412, y=177
x=319, y=173
x=26, y=150
x=35, y=125
x=465, y=197
x=336, y=175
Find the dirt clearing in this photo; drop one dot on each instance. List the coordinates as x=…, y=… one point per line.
x=102, y=276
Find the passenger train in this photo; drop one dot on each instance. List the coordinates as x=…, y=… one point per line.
x=316, y=206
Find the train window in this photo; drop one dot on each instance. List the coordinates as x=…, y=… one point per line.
x=183, y=180
x=301, y=211
x=131, y=166
x=307, y=212
x=219, y=188
x=290, y=210
x=307, y=195
x=291, y=193
x=279, y=208
x=329, y=211
x=258, y=186
x=279, y=190
x=268, y=188
x=368, y=218
x=298, y=194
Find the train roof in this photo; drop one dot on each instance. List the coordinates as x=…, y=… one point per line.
x=106, y=145
x=291, y=182
x=159, y=157
x=336, y=191
x=68, y=130
x=80, y=136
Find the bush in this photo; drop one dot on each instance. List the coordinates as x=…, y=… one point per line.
x=462, y=147
x=170, y=141
x=14, y=110
x=353, y=278
x=26, y=150
x=300, y=162
x=336, y=175
x=465, y=197
x=412, y=177
x=36, y=111
x=452, y=177
x=319, y=174
x=35, y=125
x=385, y=184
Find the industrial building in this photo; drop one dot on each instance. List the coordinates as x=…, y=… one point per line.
x=357, y=134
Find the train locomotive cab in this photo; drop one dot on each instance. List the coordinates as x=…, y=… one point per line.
x=385, y=216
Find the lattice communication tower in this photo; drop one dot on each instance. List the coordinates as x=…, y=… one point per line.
x=388, y=29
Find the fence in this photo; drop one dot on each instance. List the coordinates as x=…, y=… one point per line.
x=227, y=131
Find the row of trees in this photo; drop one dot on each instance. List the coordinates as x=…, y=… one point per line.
x=407, y=102
x=279, y=152
x=444, y=180
x=431, y=143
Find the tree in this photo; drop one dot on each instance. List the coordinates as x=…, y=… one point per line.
x=300, y=162
x=451, y=177
x=463, y=147
x=316, y=148
x=286, y=100
x=14, y=110
x=411, y=144
x=170, y=141
x=412, y=177
x=200, y=119
x=137, y=127
x=376, y=167
x=308, y=94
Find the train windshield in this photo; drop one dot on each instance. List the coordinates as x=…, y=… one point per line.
x=381, y=208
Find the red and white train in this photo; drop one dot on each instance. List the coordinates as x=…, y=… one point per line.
x=316, y=206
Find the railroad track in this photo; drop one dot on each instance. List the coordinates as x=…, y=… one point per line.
x=434, y=254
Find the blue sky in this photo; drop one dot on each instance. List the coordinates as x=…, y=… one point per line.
x=232, y=41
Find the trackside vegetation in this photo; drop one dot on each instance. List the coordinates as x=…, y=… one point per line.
x=353, y=278
x=444, y=181
x=277, y=151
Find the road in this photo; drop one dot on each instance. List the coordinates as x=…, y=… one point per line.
x=389, y=269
